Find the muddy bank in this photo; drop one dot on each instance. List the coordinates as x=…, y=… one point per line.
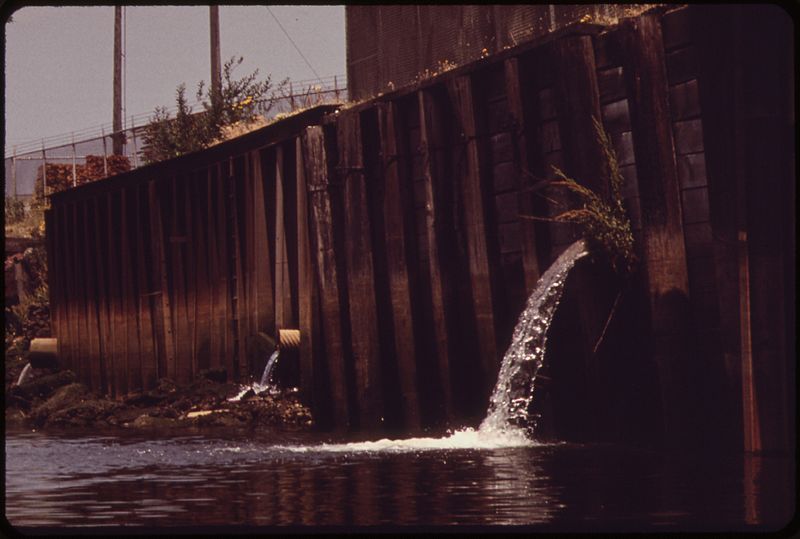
x=56, y=399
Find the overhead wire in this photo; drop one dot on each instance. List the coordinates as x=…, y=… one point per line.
x=294, y=44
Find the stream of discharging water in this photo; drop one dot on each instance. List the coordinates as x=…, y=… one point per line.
x=496, y=474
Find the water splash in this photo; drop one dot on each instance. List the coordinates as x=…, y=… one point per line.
x=506, y=423
x=513, y=392
x=265, y=384
x=266, y=377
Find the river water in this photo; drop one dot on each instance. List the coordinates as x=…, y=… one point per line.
x=232, y=479
x=495, y=475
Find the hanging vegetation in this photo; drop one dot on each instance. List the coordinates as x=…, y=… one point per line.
x=603, y=221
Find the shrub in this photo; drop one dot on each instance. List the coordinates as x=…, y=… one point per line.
x=603, y=222
x=238, y=101
x=14, y=210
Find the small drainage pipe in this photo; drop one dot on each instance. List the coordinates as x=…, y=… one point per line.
x=288, y=339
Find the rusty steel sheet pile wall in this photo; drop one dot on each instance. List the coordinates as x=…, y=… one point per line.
x=393, y=234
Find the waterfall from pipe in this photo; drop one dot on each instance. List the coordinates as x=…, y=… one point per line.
x=265, y=384
x=506, y=423
x=24, y=374
x=267, y=375
x=513, y=392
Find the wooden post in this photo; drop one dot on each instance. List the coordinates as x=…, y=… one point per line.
x=225, y=272
x=117, y=113
x=101, y=260
x=130, y=303
x=216, y=337
x=398, y=211
x=115, y=348
x=66, y=347
x=282, y=306
x=360, y=273
x=765, y=134
x=431, y=142
x=238, y=307
x=577, y=101
x=461, y=95
x=305, y=285
x=321, y=218
x=717, y=47
x=216, y=82
x=82, y=332
x=105, y=152
x=74, y=164
x=192, y=269
x=90, y=276
x=160, y=267
x=146, y=296
x=44, y=175
x=662, y=230
x=516, y=109
x=14, y=170
x=264, y=302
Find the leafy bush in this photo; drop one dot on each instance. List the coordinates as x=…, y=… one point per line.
x=237, y=101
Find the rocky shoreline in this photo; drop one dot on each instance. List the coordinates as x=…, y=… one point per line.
x=54, y=398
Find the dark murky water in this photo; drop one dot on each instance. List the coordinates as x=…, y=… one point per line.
x=58, y=480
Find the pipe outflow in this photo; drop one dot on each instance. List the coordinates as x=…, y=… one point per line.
x=43, y=353
x=288, y=339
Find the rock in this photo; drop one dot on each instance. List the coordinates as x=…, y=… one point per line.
x=15, y=417
x=148, y=421
x=44, y=386
x=83, y=414
x=215, y=375
x=63, y=398
x=165, y=385
x=143, y=400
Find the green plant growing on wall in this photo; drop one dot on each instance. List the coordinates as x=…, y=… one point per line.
x=238, y=100
x=602, y=221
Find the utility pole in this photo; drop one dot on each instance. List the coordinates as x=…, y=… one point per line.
x=117, y=122
x=216, y=82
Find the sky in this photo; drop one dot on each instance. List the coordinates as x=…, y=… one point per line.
x=59, y=60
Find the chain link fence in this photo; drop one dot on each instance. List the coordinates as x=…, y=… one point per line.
x=94, y=148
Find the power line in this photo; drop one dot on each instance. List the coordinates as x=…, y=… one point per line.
x=293, y=43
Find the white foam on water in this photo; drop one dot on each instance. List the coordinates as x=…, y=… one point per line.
x=467, y=438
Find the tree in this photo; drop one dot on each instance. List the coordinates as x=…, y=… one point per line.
x=238, y=100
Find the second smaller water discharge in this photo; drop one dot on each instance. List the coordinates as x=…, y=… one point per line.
x=506, y=423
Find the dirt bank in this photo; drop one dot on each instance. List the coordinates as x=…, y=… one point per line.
x=56, y=399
